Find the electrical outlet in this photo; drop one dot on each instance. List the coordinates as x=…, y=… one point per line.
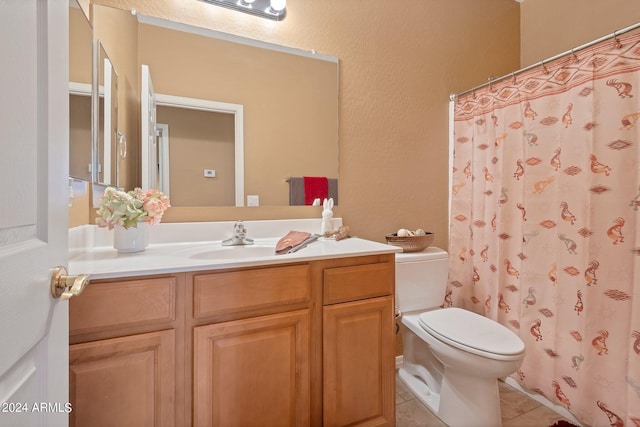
x=253, y=200
x=210, y=173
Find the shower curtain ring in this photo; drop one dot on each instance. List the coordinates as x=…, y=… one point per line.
x=574, y=56
x=617, y=44
x=544, y=67
x=491, y=79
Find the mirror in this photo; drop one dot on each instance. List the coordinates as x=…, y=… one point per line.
x=289, y=97
x=202, y=132
x=107, y=120
x=80, y=90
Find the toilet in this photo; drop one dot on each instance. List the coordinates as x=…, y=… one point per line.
x=452, y=358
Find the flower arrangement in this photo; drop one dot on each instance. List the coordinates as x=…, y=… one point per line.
x=125, y=209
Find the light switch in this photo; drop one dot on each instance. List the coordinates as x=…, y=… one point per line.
x=210, y=173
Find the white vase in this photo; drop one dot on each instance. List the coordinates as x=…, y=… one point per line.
x=132, y=239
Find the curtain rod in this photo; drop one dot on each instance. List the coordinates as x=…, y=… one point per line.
x=573, y=51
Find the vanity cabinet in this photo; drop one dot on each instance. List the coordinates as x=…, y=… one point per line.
x=299, y=344
x=125, y=381
x=126, y=342
x=251, y=347
x=358, y=345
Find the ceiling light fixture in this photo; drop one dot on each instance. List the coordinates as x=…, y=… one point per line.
x=270, y=9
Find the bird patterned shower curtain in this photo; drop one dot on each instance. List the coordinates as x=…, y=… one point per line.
x=545, y=224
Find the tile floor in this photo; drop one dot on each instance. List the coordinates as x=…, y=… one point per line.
x=518, y=410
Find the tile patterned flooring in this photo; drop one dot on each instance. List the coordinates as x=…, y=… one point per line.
x=518, y=410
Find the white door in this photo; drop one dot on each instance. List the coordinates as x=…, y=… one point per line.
x=162, y=141
x=149, y=153
x=34, y=124
x=109, y=98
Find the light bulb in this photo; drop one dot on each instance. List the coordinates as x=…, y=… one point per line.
x=278, y=5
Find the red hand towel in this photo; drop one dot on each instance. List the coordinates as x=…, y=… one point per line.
x=315, y=187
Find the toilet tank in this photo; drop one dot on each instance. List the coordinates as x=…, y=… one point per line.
x=421, y=279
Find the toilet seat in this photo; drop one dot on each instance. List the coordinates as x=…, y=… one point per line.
x=472, y=333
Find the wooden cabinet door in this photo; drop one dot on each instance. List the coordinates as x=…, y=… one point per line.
x=253, y=372
x=126, y=381
x=358, y=363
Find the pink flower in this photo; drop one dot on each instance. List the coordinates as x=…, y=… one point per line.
x=118, y=208
x=154, y=208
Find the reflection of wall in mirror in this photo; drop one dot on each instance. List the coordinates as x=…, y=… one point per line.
x=80, y=136
x=80, y=46
x=290, y=102
x=117, y=31
x=79, y=209
x=80, y=76
x=200, y=140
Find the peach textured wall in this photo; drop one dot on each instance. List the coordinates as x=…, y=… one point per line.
x=551, y=27
x=398, y=64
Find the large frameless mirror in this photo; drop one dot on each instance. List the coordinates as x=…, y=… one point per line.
x=289, y=99
x=107, y=120
x=289, y=111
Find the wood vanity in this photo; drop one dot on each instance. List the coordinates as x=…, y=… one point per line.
x=296, y=343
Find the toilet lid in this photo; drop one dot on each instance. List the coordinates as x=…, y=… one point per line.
x=470, y=331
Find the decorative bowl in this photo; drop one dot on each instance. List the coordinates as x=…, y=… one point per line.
x=411, y=243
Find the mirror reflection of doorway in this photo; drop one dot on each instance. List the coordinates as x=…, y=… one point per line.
x=196, y=158
x=162, y=156
x=219, y=122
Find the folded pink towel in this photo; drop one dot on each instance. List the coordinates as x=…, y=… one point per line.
x=293, y=241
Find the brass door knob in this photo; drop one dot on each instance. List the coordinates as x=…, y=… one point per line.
x=65, y=287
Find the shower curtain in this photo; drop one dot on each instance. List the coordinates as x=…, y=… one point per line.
x=545, y=224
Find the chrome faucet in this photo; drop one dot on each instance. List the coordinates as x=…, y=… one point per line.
x=239, y=236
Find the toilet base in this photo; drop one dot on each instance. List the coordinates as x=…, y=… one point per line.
x=469, y=402
x=461, y=402
x=459, y=388
x=420, y=390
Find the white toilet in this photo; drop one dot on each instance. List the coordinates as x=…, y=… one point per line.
x=452, y=358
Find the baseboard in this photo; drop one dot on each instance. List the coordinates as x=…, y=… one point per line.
x=561, y=410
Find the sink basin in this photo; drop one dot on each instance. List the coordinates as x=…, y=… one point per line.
x=235, y=252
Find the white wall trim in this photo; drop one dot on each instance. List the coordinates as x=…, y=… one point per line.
x=206, y=32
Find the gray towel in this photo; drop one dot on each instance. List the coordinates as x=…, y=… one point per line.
x=296, y=191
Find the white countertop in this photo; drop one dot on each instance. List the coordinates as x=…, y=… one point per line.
x=97, y=257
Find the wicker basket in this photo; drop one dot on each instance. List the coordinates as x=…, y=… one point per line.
x=411, y=243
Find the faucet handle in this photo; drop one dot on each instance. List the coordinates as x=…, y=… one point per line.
x=239, y=229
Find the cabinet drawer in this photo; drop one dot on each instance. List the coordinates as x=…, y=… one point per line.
x=341, y=284
x=237, y=291
x=124, y=381
x=117, y=305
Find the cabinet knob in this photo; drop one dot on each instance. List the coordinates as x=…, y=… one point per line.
x=65, y=287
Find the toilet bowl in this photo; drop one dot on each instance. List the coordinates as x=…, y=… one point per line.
x=452, y=358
